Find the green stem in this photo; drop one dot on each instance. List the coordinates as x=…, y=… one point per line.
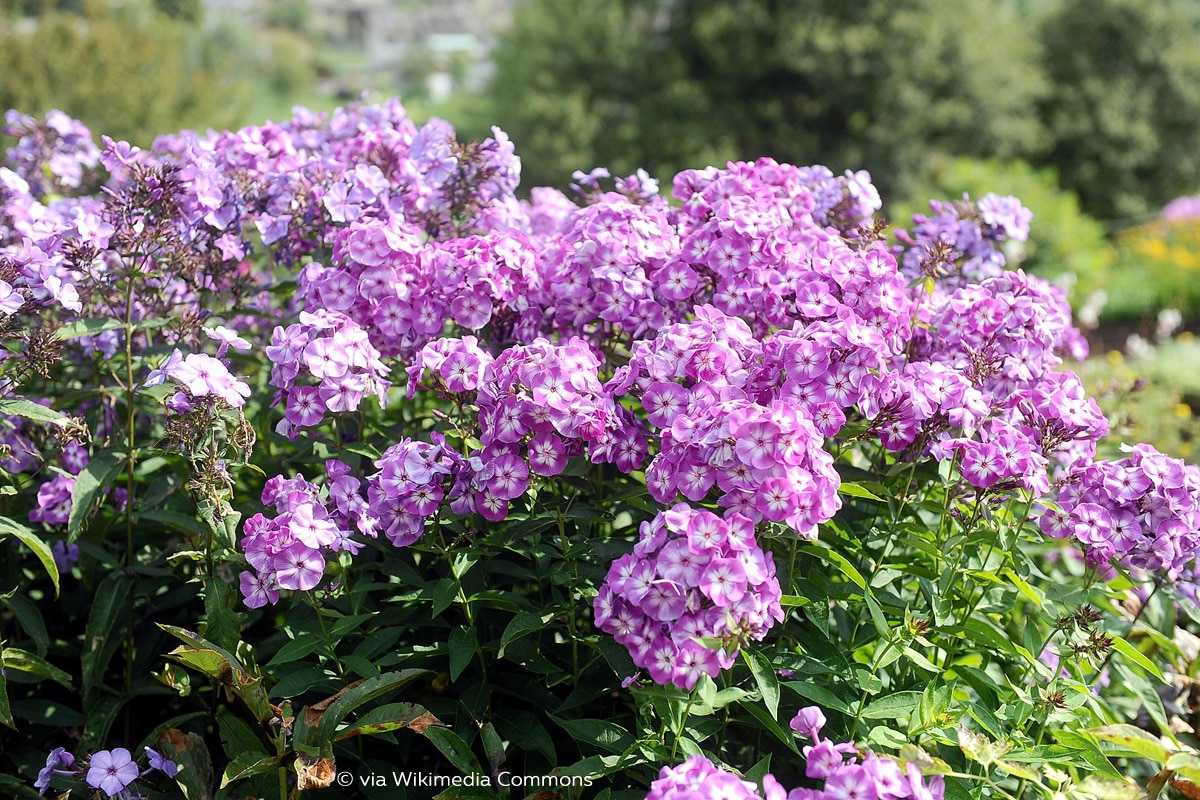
x=682, y=723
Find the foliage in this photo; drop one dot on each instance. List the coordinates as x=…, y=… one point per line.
x=891, y=87
x=1063, y=241
x=323, y=455
x=879, y=85
x=1151, y=394
x=1124, y=130
x=1156, y=266
x=129, y=69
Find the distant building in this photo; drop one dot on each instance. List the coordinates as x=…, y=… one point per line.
x=439, y=46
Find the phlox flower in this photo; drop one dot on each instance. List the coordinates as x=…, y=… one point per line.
x=55, y=763
x=808, y=722
x=228, y=338
x=111, y=770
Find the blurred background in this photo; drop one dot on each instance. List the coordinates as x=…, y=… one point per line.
x=1088, y=110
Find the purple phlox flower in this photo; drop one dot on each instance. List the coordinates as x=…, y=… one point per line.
x=157, y=761
x=10, y=299
x=851, y=782
x=55, y=762
x=228, y=338
x=159, y=375
x=808, y=722
x=117, y=154
x=203, y=375
x=589, y=179
x=112, y=770
x=65, y=555
x=259, y=589
x=272, y=229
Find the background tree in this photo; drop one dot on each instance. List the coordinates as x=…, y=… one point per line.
x=1124, y=116
x=131, y=72
x=663, y=84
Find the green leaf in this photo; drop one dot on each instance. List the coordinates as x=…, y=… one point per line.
x=1110, y=789
x=6, y=717
x=105, y=627
x=1140, y=686
x=1134, y=740
x=89, y=483
x=1133, y=654
x=462, y=650
x=454, y=748
x=195, y=776
x=247, y=765
x=523, y=624
x=838, y=560
x=444, y=594
x=857, y=490
x=18, y=788
x=34, y=665
x=1024, y=588
x=980, y=748
x=877, y=617
x=222, y=521
x=20, y=407
x=598, y=733
x=31, y=540
x=525, y=730
x=765, y=678
x=921, y=661
x=223, y=625
x=893, y=706
x=819, y=695
x=887, y=737
x=1186, y=765
x=1018, y=770
x=1087, y=749
x=493, y=746
x=87, y=327
x=769, y=722
x=304, y=644
x=391, y=717
x=216, y=662
x=351, y=698
x=238, y=735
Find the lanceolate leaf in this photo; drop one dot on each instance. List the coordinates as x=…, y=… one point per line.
x=28, y=538
x=89, y=483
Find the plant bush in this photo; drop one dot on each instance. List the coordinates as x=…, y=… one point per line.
x=330, y=466
x=1065, y=244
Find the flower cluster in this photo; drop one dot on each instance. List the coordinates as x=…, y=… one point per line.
x=697, y=778
x=1143, y=510
x=767, y=458
x=54, y=156
x=844, y=202
x=1182, y=209
x=608, y=267
x=288, y=551
x=980, y=382
x=200, y=378
x=538, y=405
x=963, y=241
x=111, y=771
x=334, y=350
x=846, y=778
x=849, y=775
x=695, y=588
x=413, y=481
x=750, y=246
